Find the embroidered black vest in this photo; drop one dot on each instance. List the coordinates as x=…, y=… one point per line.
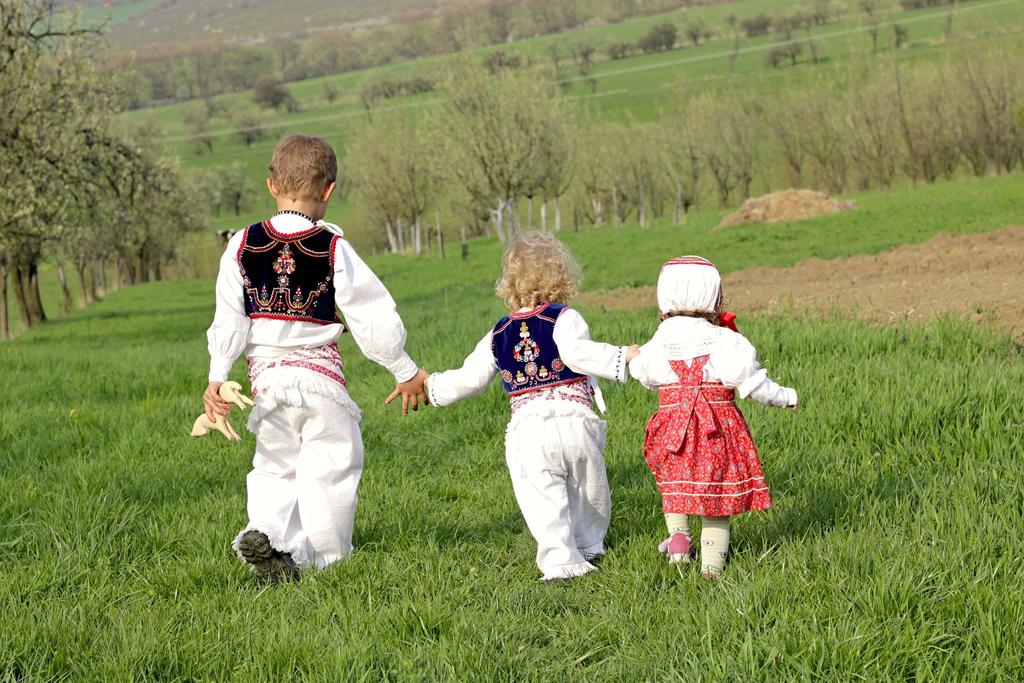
x=288, y=277
x=525, y=351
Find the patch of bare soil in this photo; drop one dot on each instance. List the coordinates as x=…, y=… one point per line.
x=786, y=205
x=979, y=276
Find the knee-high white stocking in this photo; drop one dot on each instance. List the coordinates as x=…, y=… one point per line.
x=714, y=545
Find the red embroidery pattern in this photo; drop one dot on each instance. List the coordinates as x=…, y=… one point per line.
x=324, y=360
x=577, y=391
x=699, y=448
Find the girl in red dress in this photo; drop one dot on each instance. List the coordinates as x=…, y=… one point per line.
x=698, y=445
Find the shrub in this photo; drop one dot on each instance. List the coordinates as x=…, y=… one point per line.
x=619, y=50
x=660, y=38
x=756, y=26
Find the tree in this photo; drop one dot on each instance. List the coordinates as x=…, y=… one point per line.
x=660, y=38
x=198, y=123
x=756, y=26
x=900, y=35
x=248, y=124
x=697, y=31
x=778, y=55
x=496, y=128
x=619, y=50
x=873, y=132
x=583, y=56
x=870, y=8
x=268, y=92
x=394, y=172
x=70, y=180
x=234, y=187
x=332, y=92
x=732, y=20
x=679, y=143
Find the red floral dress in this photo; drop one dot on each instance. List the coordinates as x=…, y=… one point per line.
x=700, y=450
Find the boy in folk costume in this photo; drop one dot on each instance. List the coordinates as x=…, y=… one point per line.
x=554, y=442
x=698, y=445
x=279, y=283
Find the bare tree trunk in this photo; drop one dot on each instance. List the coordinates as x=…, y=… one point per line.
x=123, y=276
x=401, y=234
x=115, y=282
x=142, y=266
x=512, y=227
x=19, y=295
x=30, y=299
x=65, y=294
x=544, y=215
x=5, y=321
x=558, y=215
x=440, y=233
x=417, y=235
x=498, y=220
x=641, y=204
x=678, y=204
x=97, y=276
x=86, y=294
x=529, y=213
x=615, y=207
x=595, y=202
x=102, y=263
x=392, y=242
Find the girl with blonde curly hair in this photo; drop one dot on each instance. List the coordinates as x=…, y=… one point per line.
x=554, y=442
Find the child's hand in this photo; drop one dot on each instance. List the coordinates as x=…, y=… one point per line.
x=213, y=404
x=632, y=352
x=411, y=391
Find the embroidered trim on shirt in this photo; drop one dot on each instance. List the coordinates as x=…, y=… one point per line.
x=292, y=237
x=577, y=391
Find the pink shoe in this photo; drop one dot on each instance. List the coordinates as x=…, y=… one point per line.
x=678, y=547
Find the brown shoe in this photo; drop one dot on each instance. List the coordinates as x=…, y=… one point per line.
x=269, y=565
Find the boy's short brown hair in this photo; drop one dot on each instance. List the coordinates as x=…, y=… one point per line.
x=302, y=166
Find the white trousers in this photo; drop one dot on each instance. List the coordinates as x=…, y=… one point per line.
x=560, y=482
x=302, y=487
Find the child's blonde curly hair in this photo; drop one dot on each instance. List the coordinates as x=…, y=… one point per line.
x=537, y=269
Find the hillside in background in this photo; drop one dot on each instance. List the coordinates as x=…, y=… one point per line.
x=135, y=23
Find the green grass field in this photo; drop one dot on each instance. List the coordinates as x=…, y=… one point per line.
x=641, y=87
x=893, y=551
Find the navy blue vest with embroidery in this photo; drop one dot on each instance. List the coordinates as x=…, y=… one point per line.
x=525, y=351
x=288, y=277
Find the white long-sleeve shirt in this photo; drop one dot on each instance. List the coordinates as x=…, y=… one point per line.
x=575, y=348
x=367, y=307
x=732, y=360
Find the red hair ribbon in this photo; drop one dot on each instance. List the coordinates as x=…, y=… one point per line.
x=728, y=320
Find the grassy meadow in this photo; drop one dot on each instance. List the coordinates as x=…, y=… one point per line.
x=893, y=551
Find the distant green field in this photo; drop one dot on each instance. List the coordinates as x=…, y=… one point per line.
x=96, y=12
x=639, y=87
x=893, y=551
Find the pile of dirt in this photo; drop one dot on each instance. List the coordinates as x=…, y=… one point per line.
x=979, y=277
x=786, y=205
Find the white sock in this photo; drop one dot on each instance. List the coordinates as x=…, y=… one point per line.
x=677, y=522
x=714, y=545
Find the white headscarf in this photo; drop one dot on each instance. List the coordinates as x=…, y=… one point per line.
x=689, y=283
